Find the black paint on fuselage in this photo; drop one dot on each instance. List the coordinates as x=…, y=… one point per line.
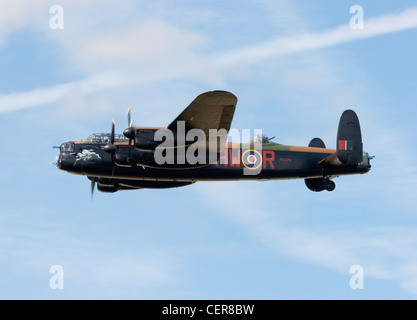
x=276, y=164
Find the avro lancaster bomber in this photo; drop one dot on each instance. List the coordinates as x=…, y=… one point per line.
x=195, y=147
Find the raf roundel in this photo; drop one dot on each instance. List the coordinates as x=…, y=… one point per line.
x=251, y=159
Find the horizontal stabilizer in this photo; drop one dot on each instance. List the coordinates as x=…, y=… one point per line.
x=331, y=160
x=349, y=139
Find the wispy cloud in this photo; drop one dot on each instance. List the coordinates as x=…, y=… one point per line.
x=384, y=252
x=119, y=48
x=316, y=40
x=45, y=96
x=143, y=47
x=37, y=97
x=15, y=15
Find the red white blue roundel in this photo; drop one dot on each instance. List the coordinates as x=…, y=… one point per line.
x=251, y=159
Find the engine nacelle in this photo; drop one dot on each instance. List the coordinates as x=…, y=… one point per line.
x=145, y=139
x=320, y=184
x=127, y=156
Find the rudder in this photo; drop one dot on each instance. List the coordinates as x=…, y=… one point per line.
x=349, y=139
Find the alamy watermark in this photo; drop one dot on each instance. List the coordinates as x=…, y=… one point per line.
x=357, y=20
x=57, y=279
x=357, y=280
x=56, y=22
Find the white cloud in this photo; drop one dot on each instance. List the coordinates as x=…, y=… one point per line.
x=146, y=45
x=37, y=97
x=384, y=252
x=15, y=15
x=45, y=96
x=21, y=14
x=311, y=41
x=155, y=50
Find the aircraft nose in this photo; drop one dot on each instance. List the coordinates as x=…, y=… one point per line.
x=65, y=163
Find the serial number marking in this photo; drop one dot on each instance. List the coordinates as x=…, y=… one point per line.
x=211, y=309
x=230, y=309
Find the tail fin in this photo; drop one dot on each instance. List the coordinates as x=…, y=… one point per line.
x=349, y=139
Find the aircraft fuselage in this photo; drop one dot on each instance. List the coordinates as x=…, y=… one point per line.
x=273, y=162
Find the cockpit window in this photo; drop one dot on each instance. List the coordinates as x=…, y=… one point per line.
x=105, y=137
x=261, y=138
x=67, y=147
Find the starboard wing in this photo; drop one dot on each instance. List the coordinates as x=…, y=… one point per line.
x=210, y=110
x=213, y=110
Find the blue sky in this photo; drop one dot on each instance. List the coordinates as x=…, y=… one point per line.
x=295, y=66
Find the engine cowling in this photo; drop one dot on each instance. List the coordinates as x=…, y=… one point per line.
x=320, y=184
x=145, y=139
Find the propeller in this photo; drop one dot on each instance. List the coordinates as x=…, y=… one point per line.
x=110, y=147
x=130, y=131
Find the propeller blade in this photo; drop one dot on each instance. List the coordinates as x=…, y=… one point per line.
x=129, y=118
x=110, y=147
x=112, y=133
x=129, y=132
x=93, y=186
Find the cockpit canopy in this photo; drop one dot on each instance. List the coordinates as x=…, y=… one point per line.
x=261, y=138
x=105, y=137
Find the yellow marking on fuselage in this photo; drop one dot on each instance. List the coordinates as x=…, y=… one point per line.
x=280, y=147
x=233, y=145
